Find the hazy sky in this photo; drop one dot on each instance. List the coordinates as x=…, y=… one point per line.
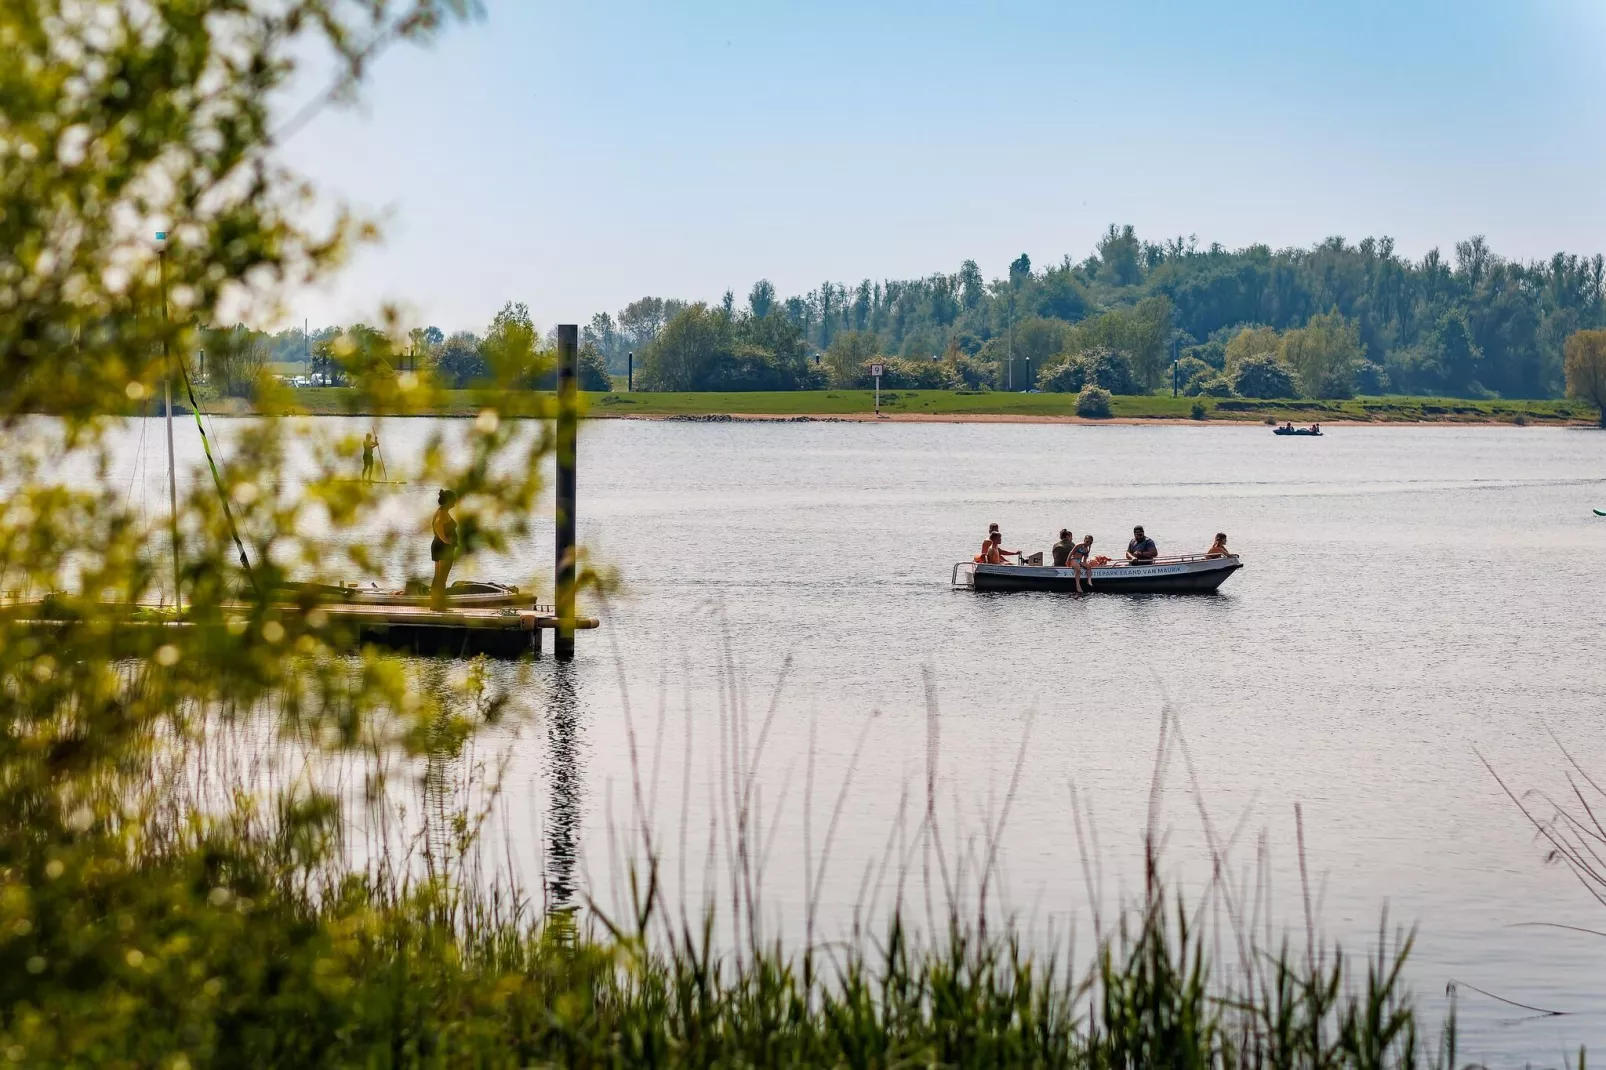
x=577, y=156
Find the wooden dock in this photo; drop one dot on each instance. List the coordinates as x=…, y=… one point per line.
x=506, y=632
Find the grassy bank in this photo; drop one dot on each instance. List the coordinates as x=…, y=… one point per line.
x=948, y=404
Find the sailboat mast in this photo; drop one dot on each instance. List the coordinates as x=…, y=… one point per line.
x=167, y=389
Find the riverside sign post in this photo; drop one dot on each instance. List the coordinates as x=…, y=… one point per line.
x=875, y=371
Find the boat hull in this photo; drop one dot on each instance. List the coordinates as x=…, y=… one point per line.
x=1192, y=576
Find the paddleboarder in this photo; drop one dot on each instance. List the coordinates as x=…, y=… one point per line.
x=370, y=442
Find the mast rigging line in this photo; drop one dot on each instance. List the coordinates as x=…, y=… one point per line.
x=217, y=477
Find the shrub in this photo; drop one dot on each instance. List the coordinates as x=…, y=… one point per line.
x=1372, y=378
x=1093, y=402
x=1264, y=376
x=1109, y=370
x=914, y=374
x=594, y=370
x=1214, y=386
x=1198, y=410
x=1066, y=378
x=972, y=373
x=1189, y=368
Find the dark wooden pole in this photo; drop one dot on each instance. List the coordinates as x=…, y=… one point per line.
x=568, y=432
x=630, y=371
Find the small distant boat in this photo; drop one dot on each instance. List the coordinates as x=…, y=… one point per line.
x=1189, y=574
x=1600, y=512
x=464, y=594
x=1308, y=432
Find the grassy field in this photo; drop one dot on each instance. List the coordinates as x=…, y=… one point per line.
x=959, y=404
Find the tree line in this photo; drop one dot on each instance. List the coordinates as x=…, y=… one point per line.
x=511, y=350
x=1327, y=321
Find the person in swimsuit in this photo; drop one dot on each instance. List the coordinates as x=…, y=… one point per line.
x=1080, y=570
x=442, y=547
x=1219, y=547
x=369, y=442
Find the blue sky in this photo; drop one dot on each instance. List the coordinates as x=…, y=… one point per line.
x=578, y=156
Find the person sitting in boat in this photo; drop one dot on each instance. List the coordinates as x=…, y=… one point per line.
x=442, y=547
x=1315, y=429
x=1080, y=570
x=1141, y=550
x=1219, y=547
x=992, y=551
x=1062, y=549
x=1289, y=426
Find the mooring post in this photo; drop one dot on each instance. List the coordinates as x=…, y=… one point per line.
x=568, y=433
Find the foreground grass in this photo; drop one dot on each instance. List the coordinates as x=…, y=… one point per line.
x=959, y=404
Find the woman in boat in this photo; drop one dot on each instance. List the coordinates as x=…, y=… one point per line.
x=442, y=547
x=369, y=442
x=1079, y=562
x=1219, y=547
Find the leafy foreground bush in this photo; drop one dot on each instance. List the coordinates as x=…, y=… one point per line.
x=245, y=942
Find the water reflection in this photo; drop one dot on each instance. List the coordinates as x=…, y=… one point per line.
x=563, y=814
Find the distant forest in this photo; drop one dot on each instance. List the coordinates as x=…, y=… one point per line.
x=1331, y=320
x=1137, y=316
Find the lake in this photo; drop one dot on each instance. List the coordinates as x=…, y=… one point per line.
x=1412, y=598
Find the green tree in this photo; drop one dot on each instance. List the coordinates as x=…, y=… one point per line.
x=1586, y=369
x=1455, y=356
x=236, y=360
x=1119, y=251
x=1140, y=335
x=848, y=357
x=1250, y=343
x=761, y=299
x=459, y=362
x=1039, y=340
x=678, y=358
x=1263, y=376
x=511, y=347
x=593, y=370
x=1324, y=356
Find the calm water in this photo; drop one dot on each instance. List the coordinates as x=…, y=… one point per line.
x=1412, y=598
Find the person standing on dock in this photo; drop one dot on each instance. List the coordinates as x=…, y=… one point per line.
x=442, y=548
x=370, y=442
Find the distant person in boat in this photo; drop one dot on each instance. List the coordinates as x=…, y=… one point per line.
x=1062, y=549
x=1080, y=571
x=1141, y=550
x=1219, y=547
x=992, y=551
x=442, y=547
x=370, y=442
